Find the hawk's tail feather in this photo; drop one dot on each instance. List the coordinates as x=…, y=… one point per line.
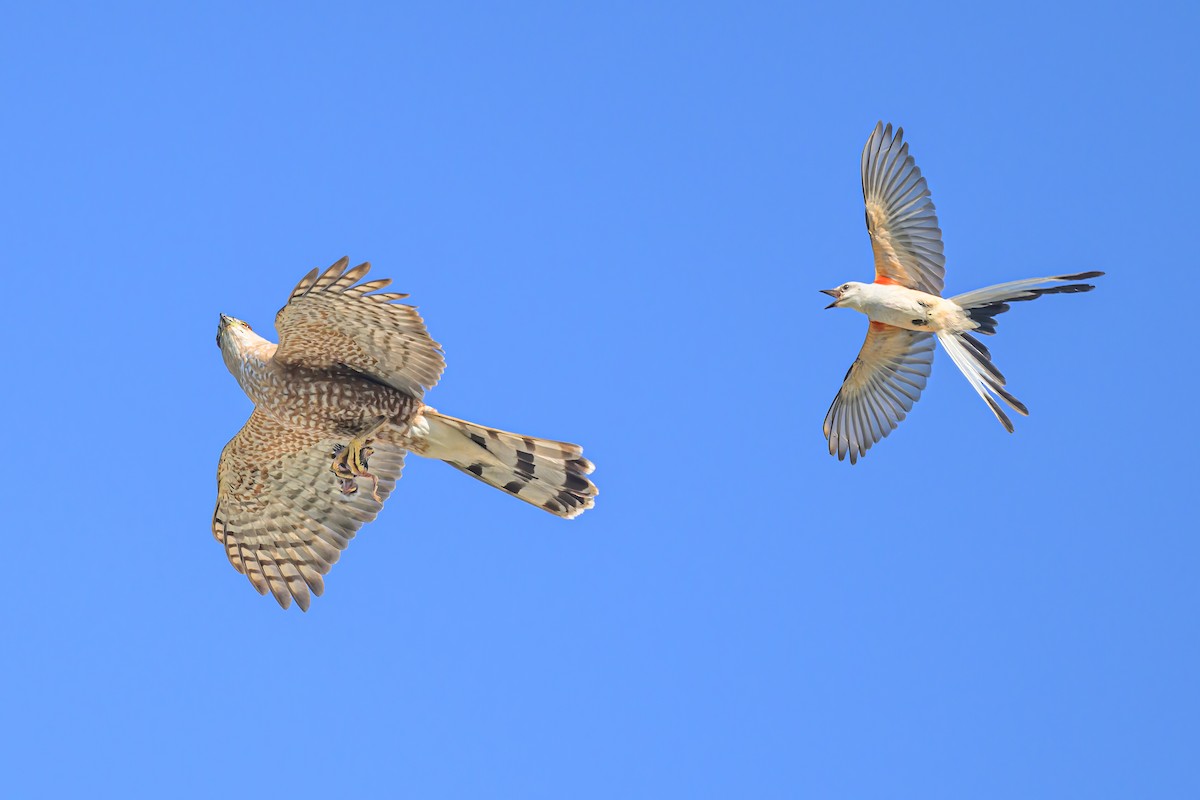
x=548, y=474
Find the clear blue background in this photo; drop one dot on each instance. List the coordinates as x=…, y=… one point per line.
x=616, y=221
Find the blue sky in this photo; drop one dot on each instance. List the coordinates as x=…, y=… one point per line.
x=616, y=221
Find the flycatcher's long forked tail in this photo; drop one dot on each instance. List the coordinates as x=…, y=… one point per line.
x=548, y=474
x=982, y=307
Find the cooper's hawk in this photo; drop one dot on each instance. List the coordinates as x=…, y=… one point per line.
x=338, y=402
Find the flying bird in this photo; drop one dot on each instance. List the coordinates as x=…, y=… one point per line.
x=906, y=309
x=337, y=404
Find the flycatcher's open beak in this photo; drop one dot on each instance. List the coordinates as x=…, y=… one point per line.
x=836, y=294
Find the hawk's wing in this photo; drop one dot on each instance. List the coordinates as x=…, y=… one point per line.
x=900, y=215
x=880, y=388
x=280, y=511
x=329, y=322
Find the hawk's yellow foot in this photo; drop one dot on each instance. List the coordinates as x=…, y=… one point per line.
x=350, y=462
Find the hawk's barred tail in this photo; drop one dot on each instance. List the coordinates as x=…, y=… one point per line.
x=983, y=306
x=551, y=475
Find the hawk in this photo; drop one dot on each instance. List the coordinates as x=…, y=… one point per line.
x=337, y=405
x=907, y=310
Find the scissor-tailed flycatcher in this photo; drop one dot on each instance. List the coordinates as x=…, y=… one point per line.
x=906, y=309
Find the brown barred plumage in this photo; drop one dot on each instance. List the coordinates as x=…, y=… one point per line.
x=338, y=404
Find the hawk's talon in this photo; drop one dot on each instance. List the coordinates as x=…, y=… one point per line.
x=350, y=462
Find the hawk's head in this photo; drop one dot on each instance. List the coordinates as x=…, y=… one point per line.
x=237, y=342
x=230, y=332
x=239, y=345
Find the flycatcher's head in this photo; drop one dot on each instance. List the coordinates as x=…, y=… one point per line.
x=844, y=296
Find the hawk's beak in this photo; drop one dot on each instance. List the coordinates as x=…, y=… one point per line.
x=836, y=294
x=225, y=320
